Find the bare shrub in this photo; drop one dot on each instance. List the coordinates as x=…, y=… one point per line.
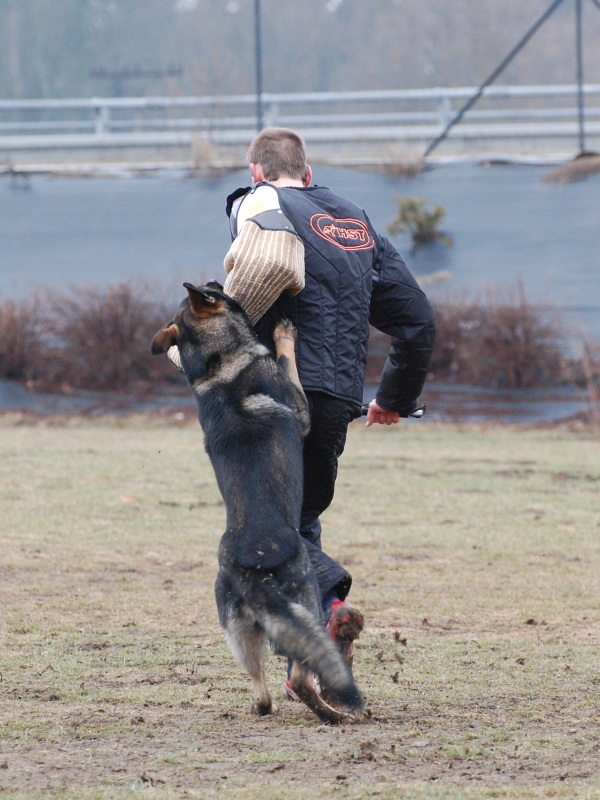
x=23, y=349
x=400, y=161
x=102, y=337
x=583, y=166
x=99, y=338
x=498, y=341
x=403, y=167
x=590, y=366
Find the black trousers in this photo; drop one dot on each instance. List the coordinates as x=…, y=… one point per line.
x=329, y=418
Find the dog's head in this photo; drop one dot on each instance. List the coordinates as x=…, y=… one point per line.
x=201, y=302
x=200, y=328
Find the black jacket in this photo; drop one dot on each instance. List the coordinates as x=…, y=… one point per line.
x=354, y=277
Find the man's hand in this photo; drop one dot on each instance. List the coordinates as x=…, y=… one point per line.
x=379, y=415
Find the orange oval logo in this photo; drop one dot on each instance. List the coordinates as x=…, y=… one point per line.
x=349, y=234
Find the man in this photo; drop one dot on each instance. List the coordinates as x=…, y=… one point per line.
x=302, y=252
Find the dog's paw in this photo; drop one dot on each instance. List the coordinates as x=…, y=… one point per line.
x=284, y=330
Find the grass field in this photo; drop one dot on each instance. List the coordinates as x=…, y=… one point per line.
x=475, y=552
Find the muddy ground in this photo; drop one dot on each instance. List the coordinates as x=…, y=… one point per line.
x=475, y=553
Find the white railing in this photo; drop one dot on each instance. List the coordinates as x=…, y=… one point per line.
x=410, y=115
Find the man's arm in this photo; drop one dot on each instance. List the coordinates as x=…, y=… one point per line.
x=260, y=265
x=266, y=258
x=400, y=308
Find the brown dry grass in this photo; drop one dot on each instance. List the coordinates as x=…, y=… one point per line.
x=475, y=552
x=579, y=169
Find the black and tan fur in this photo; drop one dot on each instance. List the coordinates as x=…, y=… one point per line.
x=254, y=414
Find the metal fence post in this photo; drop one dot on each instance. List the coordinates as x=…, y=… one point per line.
x=101, y=118
x=444, y=106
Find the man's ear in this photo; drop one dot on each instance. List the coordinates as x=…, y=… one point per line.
x=165, y=338
x=308, y=177
x=257, y=173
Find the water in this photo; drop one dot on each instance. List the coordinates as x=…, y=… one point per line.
x=508, y=226
x=445, y=403
x=58, y=232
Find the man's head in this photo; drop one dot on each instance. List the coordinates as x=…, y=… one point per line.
x=276, y=154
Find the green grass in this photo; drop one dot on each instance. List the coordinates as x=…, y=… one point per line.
x=475, y=552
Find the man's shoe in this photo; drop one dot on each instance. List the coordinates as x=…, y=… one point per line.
x=290, y=693
x=345, y=625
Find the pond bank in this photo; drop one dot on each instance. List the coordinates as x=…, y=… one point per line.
x=446, y=402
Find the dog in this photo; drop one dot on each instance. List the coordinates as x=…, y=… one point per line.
x=254, y=415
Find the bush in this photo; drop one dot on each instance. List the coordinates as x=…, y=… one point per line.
x=92, y=338
x=99, y=338
x=104, y=336
x=499, y=341
x=22, y=338
x=421, y=224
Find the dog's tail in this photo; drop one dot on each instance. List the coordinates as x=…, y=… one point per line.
x=295, y=632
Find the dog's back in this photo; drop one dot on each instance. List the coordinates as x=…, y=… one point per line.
x=254, y=414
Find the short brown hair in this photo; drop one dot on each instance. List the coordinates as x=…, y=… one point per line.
x=280, y=152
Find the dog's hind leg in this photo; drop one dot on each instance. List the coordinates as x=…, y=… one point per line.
x=302, y=682
x=248, y=643
x=284, y=336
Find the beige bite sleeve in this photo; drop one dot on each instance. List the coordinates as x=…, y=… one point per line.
x=260, y=265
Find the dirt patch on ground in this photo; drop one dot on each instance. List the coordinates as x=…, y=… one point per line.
x=478, y=663
x=195, y=747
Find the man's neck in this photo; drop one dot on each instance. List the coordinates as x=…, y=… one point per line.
x=283, y=182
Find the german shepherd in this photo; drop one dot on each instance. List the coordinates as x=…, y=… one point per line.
x=254, y=415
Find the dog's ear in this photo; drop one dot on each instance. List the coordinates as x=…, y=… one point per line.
x=165, y=338
x=202, y=302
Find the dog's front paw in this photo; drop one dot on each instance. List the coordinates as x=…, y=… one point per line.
x=284, y=330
